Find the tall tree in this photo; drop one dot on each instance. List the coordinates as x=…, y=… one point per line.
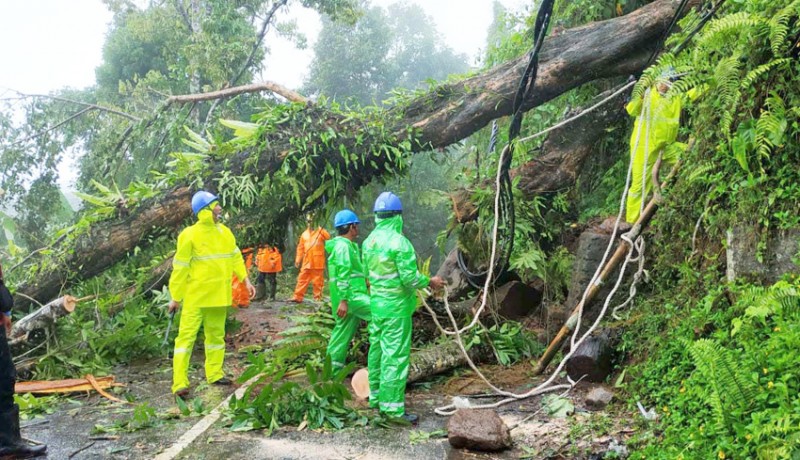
x=382, y=51
x=121, y=129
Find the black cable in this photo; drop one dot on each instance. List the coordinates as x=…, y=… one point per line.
x=665, y=35
x=703, y=21
x=506, y=196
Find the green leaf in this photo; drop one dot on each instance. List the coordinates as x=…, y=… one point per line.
x=557, y=406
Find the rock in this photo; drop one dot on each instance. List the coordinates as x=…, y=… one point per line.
x=516, y=300
x=592, y=246
x=457, y=285
x=598, y=398
x=777, y=258
x=478, y=429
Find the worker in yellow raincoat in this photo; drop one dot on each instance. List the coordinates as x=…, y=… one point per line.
x=310, y=259
x=658, y=116
x=202, y=269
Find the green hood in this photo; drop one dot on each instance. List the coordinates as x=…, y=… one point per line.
x=390, y=223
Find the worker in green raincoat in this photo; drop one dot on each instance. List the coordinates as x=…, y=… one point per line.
x=394, y=279
x=658, y=116
x=348, y=285
x=204, y=264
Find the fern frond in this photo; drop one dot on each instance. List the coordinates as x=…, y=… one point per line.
x=759, y=71
x=701, y=171
x=725, y=82
x=770, y=126
x=779, y=27
x=731, y=389
x=732, y=23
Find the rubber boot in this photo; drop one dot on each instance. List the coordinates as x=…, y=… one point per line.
x=11, y=444
x=261, y=291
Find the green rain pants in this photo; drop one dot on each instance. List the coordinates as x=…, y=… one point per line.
x=345, y=328
x=389, y=352
x=213, y=321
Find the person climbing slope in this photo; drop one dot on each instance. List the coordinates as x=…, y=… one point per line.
x=653, y=140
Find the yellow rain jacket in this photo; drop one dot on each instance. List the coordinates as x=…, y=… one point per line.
x=204, y=264
x=656, y=127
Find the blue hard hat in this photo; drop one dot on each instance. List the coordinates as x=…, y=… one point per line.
x=387, y=201
x=345, y=217
x=202, y=199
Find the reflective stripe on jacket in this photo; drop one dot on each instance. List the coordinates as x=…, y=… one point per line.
x=345, y=269
x=391, y=263
x=204, y=264
x=311, y=249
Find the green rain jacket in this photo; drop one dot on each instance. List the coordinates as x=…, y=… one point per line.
x=392, y=265
x=204, y=264
x=345, y=269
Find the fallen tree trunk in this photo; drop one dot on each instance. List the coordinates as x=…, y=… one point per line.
x=41, y=319
x=107, y=243
x=447, y=114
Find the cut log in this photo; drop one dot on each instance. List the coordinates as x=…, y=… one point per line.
x=512, y=300
x=41, y=319
x=441, y=358
x=448, y=114
x=592, y=359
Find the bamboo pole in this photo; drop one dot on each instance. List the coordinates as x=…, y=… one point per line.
x=609, y=268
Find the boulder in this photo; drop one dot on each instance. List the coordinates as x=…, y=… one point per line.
x=457, y=284
x=777, y=257
x=516, y=300
x=592, y=245
x=478, y=429
x=598, y=398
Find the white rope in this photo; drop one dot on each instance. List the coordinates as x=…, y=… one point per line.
x=622, y=206
x=585, y=112
x=637, y=247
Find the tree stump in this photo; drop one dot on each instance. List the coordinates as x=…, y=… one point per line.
x=592, y=359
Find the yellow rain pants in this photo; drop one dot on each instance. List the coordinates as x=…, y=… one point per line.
x=213, y=321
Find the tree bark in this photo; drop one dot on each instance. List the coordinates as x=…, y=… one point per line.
x=563, y=155
x=592, y=360
x=107, y=243
x=441, y=358
x=447, y=114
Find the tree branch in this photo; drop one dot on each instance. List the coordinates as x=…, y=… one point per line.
x=261, y=34
x=55, y=126
x=85, y=104
x=235, y=91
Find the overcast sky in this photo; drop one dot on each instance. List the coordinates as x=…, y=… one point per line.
x=49, y=44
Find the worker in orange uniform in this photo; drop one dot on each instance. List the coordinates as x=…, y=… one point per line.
x=310, y=259
x=241, y=296
x=269, y=262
